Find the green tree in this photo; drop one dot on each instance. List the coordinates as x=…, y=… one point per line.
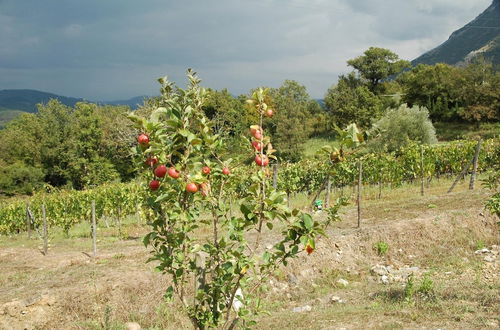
x=400, y=126
x=55, y=141
x=87, y=167
x=18, y=178
x=228, y=114
x=436, y=87
x=350, y=101
x=480, y=94
x=376, y=65
x=293, y=121
x=79, y=146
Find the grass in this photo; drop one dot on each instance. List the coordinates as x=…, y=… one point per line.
x=313, y=145
x=455, y=131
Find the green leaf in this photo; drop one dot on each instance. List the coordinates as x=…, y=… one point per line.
x=308, y=221
x=269, y=225
x=161, y=198
x=266, y=257
x=169, y=293
x=155, y=116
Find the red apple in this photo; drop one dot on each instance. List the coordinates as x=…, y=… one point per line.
x=173, y=173
x=206, y=170
x=269, y=112
x=258, y=135
x=143, y=139
x=151, y=161
x=226, y=171
x=257, y=145
x=261, y=160
x=191, y=187
x=160, y=171
x=154, y=185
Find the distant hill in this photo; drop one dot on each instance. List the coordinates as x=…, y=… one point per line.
x=133, y=103
x=479, y=37
x=27, y=99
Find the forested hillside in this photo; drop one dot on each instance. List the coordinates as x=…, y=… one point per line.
x=480, y=37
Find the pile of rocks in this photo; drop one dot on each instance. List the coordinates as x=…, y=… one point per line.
x=490, y=255
x=388, y=274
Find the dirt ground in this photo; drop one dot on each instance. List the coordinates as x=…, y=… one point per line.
x=443, y=248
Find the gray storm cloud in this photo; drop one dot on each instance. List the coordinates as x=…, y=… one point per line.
x=103, y=50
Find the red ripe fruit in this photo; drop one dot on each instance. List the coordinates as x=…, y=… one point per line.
x=173, y=173
x=191, y=187
x=257, y=145
x=143, y=139
x=226, y=171
x=258, y=134
x=206, y=170
x=269, y=112
x=160, y=171
x=309, y=249
x=154, y=185
x=151, y=161
x=261, y=160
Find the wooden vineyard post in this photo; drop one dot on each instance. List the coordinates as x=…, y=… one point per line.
x=119, y=220
x=94, y=231
x=474, y=165
x=45, y=234
x=28, y=220
x=328, y=190
x=421, y=170
x=360, y=179
x=275, y=176
x=466, y=168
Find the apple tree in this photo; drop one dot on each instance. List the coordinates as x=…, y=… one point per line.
x=214, y=259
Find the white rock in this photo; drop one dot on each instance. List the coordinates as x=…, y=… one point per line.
x=343, y=282
x=132, y=326
x=489, y=259
x=307, y=272
x=379, y=270
x=292, y=279
x=302, y=309
x=385, y=279
x=335, y=299
x=412, y=269
x=484, y=250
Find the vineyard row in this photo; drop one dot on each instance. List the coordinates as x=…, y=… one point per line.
x=66, y=208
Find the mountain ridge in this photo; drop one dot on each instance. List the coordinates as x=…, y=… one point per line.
x=478, y=37
x=27, y=99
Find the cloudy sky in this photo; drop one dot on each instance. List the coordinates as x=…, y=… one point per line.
x=115, y=49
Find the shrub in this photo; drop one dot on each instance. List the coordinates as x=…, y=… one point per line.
x=381, y=247
x=398, y=127
x=19, y=178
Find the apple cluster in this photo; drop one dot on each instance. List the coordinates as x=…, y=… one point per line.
x=161, y=170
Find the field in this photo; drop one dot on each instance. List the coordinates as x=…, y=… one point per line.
x=434, y=237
